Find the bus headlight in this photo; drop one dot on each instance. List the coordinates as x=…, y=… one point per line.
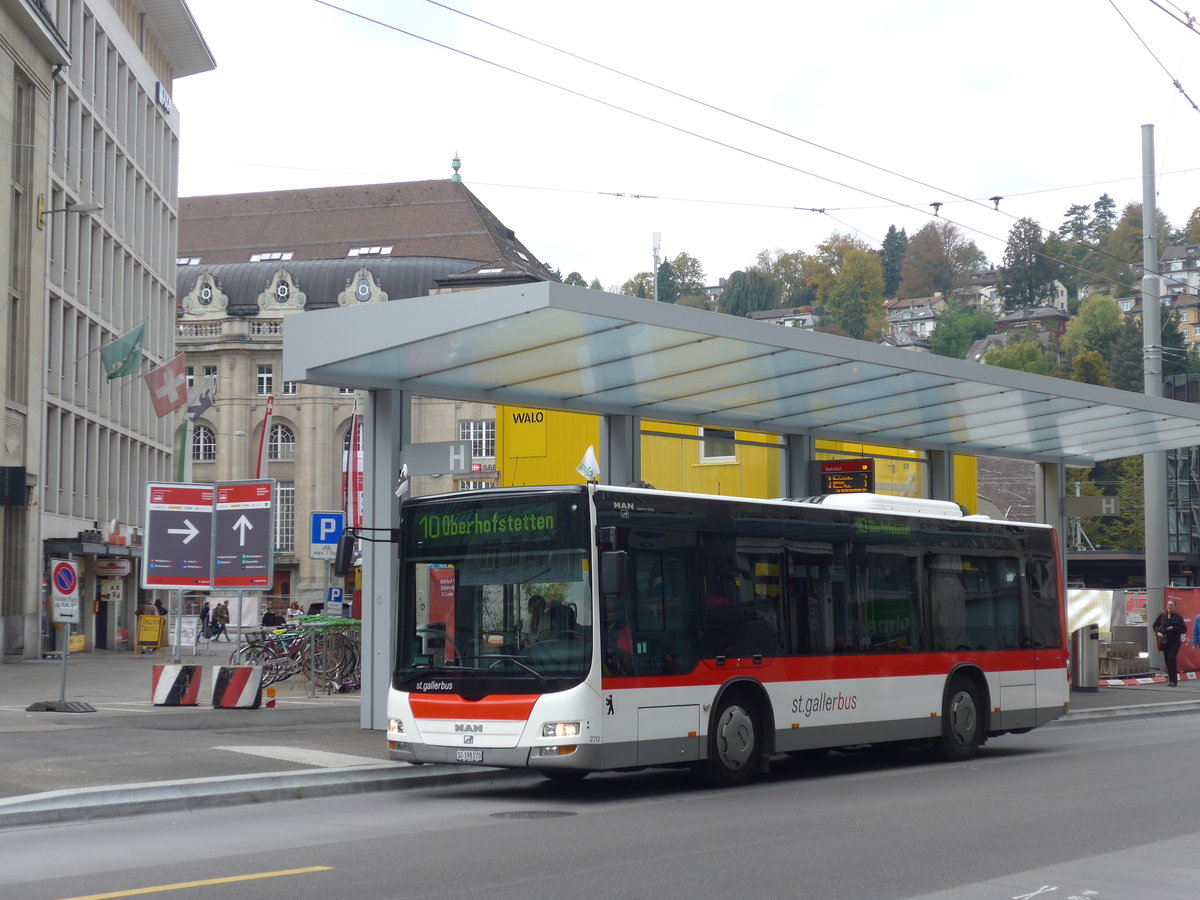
x=396, y=726
x=560, y=729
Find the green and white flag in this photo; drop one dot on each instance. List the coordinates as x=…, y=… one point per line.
x=124, y=355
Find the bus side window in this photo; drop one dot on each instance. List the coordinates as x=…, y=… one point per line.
x=947, y=602
x=1044, y=626
x=890, y=616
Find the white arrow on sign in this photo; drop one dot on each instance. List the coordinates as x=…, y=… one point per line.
x=191, y=531
x=243, y=523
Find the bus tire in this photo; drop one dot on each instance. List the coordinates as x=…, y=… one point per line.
x=733, y=743
x=962, y=722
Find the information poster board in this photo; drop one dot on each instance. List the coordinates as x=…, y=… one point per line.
x=150, y=632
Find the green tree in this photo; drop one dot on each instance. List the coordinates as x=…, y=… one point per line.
x=1026, y=276
x=1025, y=354
x=891, y=254
x=1068, y=258
x=1126, y=532
x=855, y=302
x=689, y=275
x=1096, y=327
x=1178, y=359
x=746, y=292
x=1077, y=222
x=595, y=285
x=938, y=260
x=575, y=279
x=792, y=274
x=1105, y=218
x=1126, y=369
x=958, y=327
x=1088, y=367
x=827, y=262
x=1192, y=228
x=640, y=285
x=666, y=290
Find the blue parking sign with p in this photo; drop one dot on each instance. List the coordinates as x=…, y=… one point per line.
x=327, y=527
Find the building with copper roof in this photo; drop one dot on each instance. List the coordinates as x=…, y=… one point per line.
x=248, y=260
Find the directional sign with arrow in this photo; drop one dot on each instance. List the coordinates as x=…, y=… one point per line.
x=177, y=549
x=243, y=534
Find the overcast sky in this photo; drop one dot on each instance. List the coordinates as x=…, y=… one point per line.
x=1040, y=102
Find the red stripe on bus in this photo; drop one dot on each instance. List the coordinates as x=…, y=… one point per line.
x=819, y=668
x=511, y=707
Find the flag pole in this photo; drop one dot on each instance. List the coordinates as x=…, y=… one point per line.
x=262, y=438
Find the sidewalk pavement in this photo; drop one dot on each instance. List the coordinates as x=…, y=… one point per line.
x=129, y=756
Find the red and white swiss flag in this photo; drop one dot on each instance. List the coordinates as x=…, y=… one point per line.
x=168, y=386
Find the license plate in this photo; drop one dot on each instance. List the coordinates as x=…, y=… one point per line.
x=468, y=756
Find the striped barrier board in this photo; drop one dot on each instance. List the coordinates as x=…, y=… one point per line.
x=237, y=687
x=175, y=685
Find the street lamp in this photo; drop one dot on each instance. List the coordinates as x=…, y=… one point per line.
x=82, y=208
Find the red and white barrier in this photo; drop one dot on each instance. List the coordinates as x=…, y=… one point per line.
x=175, y=685
x=237, y=687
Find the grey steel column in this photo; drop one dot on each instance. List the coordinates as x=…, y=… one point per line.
x=620, y=449
x=1154, y=465
x=386, y=432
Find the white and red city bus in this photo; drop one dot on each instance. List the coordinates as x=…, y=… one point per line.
x=587, y=628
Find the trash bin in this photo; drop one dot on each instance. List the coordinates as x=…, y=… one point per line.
x=1085, y=658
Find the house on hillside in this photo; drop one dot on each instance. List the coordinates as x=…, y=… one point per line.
x=794, y=317
x=981, y=287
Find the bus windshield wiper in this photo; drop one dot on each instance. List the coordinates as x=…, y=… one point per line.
x=504, y=657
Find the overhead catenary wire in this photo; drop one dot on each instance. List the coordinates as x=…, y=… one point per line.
x=720, y=143
x=779, y=131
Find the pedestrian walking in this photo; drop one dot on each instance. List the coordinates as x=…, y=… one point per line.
x=220, y=617
x=205, y=615
x=1169, y=627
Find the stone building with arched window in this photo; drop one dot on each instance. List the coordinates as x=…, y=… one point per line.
x=247, y=261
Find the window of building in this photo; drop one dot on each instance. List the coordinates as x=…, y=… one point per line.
x=473, y=485
x=345, y=390
x=370, y=251
x=482, y=435
x=285, y=516
x=282, y=445
x=204, y=444
x=187, y=261
x=266, y=380
x=271, y=255
x=717, y=443
x=290, y=388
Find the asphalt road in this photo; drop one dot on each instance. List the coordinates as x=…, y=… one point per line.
x=1098, y=810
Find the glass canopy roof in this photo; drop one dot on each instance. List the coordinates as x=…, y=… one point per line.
x=562, y=347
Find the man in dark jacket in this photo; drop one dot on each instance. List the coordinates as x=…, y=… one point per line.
x=1170, y=627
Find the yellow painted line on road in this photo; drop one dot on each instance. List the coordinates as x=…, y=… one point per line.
x=183, y=885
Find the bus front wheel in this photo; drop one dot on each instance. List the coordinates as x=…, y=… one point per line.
x=732, y=744
x=962, y=722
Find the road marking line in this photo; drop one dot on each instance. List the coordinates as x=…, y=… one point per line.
x=324, y=759
x=184, y=885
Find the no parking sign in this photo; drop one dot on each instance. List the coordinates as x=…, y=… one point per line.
x=64, y=591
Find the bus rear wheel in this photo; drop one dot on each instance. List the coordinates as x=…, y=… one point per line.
x=962, y=722
x=732, y=744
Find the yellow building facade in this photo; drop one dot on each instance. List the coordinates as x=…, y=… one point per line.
x=543, y=446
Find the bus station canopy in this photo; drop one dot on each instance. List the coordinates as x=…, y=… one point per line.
x=555, y=346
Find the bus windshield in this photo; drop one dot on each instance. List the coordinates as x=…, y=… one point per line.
x=495, y=592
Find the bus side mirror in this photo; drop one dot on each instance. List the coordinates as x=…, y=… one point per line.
x=343, y=558
x=613, y=564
